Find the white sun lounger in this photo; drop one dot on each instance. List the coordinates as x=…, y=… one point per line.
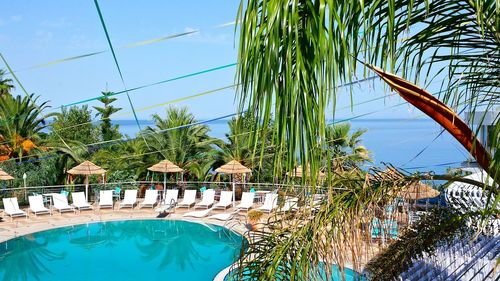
x=226, y=200
x=171, y=197
x=129, y=199
x=150, y=198
x=270, y=202
x=170, y=201
x=207, y=200
x=290, y=204
x=61, y=203
x=198, y=214
x=246, y=203
x=11, y=208
x=105, y=199
x=189, y=199
x=79, y=201
x=36, y=205
x=223, y=216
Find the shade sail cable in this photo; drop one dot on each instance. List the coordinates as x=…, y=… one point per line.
x=153, y=84
x=28, y=95
x=118, y=67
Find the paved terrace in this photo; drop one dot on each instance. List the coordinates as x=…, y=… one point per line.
x=22, y=226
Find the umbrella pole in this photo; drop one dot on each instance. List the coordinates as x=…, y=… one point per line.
x=164, y=184
x=234, y=191
x=87, y=188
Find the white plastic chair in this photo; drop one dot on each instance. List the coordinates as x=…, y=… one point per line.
x=106, y=199
x=247, y=201
x=150, y=198
x=226, y=200
x=198, y=214
x=270, y=203
x=207, y=200
x=36, y=205
x=61, y=203
x=130, y=199
x=79, y=201
x=11, y=208
x=223, y=216
x=189, y=199
x=290, y=203
x=168, y=204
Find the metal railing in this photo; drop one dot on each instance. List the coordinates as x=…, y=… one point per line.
x=22, y=193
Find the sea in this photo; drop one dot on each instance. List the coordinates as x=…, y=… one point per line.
x=409, y=144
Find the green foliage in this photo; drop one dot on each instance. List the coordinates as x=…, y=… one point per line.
x=200, y=170
x=240, y=148
x=126, y=158
x=108, y=130
x=344, y=148
x=74, y=124
x=294, y=54
x=5, y=84
x=121, y=176
x=182, y=146
x=293, y=245
x=21, y=126
x=38, y=173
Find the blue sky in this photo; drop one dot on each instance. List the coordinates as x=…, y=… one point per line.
x=37, y=32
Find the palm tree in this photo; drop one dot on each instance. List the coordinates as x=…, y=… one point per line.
x=5, y=84
x=178, y=138
x=22, y=125
x=240, y=148
x=344, y=148
x=129, y=158
x=200, y=170
x=292, y=57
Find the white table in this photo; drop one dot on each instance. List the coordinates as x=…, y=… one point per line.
x=261, y=195
x=50, y=196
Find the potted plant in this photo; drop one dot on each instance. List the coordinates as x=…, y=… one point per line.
x=253, y=218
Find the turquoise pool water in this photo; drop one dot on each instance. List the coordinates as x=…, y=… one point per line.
x=336, y=274
x=123, y=250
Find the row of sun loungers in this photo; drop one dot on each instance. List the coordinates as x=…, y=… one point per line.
x=168, y=204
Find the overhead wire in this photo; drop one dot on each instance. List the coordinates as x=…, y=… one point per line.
x=28, y=95
x=126, y=46
x=337, y=121
x=111, y=142
x=197, y=95
x=117, y=65
x=145, y=42
x=153, y=84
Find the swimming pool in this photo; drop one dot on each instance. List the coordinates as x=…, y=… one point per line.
x=336, y=274
x=121, y=250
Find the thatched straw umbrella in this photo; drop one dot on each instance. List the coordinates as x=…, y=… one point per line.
x=298, y=173
x=4, y=176
x=413, y=190
x=231, y=168
x=87, y=168
x=417, y=191
x=165, y=167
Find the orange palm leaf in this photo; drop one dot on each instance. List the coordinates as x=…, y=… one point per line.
x=438, y=111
